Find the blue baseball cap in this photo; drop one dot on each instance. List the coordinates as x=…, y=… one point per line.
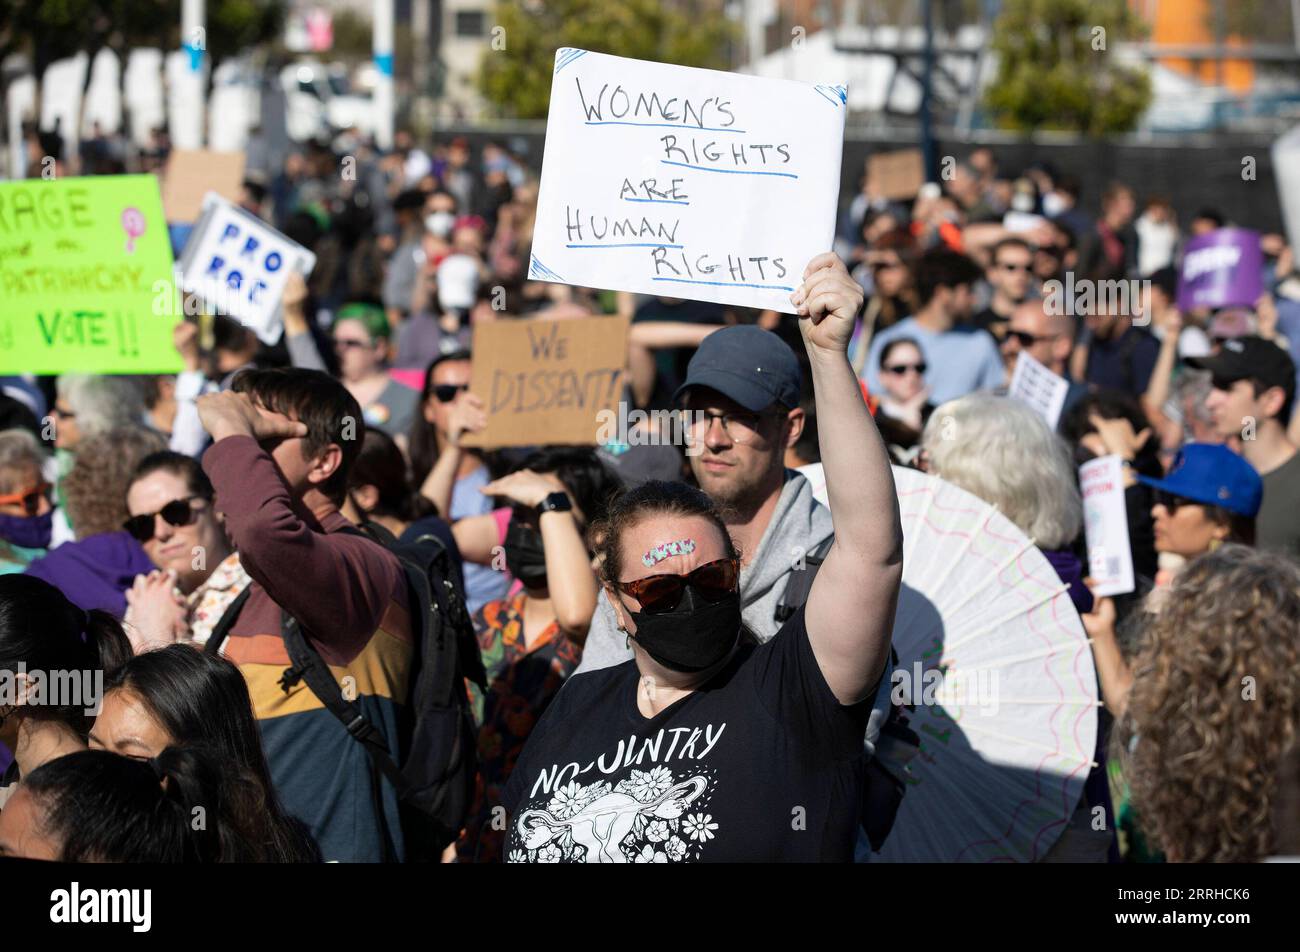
x=1212, y=475
x=752, y=366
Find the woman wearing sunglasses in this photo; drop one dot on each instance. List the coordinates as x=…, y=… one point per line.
x=26, y=514
x=706, y=746
x=197, y=572
x=1209, y=496
x=905, y=399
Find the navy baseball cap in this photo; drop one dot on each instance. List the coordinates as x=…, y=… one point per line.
x=1212, y=475
x=752, y=366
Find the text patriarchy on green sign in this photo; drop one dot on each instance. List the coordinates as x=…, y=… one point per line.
x=85, y=264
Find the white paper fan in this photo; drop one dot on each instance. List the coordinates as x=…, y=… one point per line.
x=1009, y=740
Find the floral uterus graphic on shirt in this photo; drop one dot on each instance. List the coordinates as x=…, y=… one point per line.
x=646, y=818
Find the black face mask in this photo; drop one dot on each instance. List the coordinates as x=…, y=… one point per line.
x=695, y=635
x=525, y=556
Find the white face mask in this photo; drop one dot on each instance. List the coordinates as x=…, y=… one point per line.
x=439, y=223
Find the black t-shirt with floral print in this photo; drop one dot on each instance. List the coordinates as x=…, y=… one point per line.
x=763, y=764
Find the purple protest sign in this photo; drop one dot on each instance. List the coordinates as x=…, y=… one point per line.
x=1221, y=269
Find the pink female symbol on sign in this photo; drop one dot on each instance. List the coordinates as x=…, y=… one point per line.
x=133, y=225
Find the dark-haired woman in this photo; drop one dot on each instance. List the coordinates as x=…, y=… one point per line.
x=380, y=491
x=180, y=697
x=198, y=573
x=94, y=806
x=42, y=632
x=531, y=641
x=706, y=747
x=905, y=405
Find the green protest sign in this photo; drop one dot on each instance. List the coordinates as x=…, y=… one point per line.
x=85, y=277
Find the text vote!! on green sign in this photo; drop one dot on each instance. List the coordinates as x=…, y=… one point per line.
x=85, y=277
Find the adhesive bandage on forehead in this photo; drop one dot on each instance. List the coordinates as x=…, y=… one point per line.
x=666, y=550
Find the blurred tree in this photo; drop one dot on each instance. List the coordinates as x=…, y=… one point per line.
x=1057, y=67
x=517, y=79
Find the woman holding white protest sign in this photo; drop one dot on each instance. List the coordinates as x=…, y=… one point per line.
x=706, y=746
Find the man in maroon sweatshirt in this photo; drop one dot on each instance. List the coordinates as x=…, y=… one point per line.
x=283, y=442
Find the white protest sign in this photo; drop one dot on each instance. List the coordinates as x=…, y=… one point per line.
x=684, y=182
x=1105, y=526
x=238, y=263
x=1042, y=390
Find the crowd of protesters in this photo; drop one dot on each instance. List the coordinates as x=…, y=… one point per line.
x=166, y=531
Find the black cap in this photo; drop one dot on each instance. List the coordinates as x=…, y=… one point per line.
x=752, y=366
x=1250, y=358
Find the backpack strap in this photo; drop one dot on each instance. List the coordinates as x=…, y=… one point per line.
x=310, y=667
x=227, y=621
x=800, y=582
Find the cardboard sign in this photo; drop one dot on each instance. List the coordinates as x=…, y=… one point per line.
x=1042, y=390
x=238, y=264
x=1105, y=525
x=85, y=277
x=547, y=381
x=192, y=173
x=896, y=175
x=1222, y=269
x=683, y=182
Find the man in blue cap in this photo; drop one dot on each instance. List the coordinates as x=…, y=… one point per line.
x=741, y=398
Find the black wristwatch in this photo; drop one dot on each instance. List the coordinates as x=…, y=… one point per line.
x=555, y=502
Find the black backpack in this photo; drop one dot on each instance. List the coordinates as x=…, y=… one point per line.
x=435, y=781
x=882, y=789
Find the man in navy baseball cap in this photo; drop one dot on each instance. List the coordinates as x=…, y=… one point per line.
x=1250, y=403
x=741, y=401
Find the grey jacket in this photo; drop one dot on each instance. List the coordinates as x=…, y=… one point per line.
x=799, y=524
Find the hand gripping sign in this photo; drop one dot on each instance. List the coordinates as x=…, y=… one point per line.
x=239, y=264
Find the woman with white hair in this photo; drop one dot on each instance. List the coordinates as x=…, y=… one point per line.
x=1003, y=452
x=86, y=405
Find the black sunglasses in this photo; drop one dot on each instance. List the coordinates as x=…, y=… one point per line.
x=1025, y=339
x=446, y=392
x=177, y=513
x=1172, y=501
x=901, y=369
x=661, y=593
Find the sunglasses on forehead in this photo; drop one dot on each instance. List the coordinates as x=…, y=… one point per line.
x=661, y=593
x=177, y=513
